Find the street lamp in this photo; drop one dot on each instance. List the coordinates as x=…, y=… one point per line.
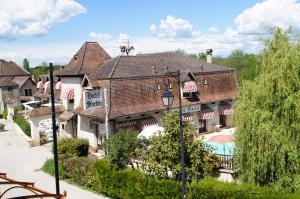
x=167, y=99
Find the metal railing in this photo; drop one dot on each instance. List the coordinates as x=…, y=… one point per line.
x=226, y=161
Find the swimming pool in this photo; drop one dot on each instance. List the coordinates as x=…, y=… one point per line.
x=224, y=149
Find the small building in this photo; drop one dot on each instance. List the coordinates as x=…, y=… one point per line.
x=15, y=83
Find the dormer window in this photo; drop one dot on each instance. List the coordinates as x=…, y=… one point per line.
x=157, y=86
x=205, y=82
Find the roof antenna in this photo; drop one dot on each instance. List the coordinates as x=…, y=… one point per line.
x=126, y=49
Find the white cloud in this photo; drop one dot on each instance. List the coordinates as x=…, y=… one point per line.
x=213, y=30
x=269, y=13
x=153, y=28
x=31, y=17
x=100, y=36
x=123, y=37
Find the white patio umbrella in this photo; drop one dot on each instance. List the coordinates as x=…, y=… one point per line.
x=150, y=131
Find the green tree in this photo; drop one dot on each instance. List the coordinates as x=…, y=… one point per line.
x=121, y=148
x=268, y=118
x=26, y=64
x=164, y=152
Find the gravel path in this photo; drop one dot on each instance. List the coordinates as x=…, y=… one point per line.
x=23, y=164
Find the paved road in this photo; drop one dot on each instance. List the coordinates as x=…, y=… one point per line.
x=23, y=164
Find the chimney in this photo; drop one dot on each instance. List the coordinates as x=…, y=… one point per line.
x=209, y=55
x=201, y=67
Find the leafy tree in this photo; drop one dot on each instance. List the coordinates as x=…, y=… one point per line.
x=164, y=152
x=121, y=148
x=26, y=64
x=268, y=118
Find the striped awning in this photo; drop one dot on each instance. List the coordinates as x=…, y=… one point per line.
x=68, y=93
x=146, y=122
x=39, y=84
x=206, y=113
x=189, y=87
x=187, y=117
x=225, y=109
x=58, y=85
x=47, y=87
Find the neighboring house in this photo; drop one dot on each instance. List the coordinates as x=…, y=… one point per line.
x=15, y=83
x=107, y=95
x=43, y=90
x=9, y=90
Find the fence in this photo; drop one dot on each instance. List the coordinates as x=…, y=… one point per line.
x=226, y=161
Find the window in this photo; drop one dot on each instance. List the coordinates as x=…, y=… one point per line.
x=170, y=85
x=28, y=92
x=187, y=95
x=202, y=126
x=71, y=101
x=63, y=126
x=10, y=90
x=205, y=82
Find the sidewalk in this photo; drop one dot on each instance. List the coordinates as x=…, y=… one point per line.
x=23, y=164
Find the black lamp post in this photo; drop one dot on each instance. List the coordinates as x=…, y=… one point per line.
x=167, y=99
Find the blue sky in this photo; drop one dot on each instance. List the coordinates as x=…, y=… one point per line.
x=53, y=30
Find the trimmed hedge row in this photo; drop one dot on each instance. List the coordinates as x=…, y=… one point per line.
x=71, y=147
x=23, y=124
x=99, y=176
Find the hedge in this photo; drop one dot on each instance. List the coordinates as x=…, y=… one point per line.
x=73, y=147
x=99, y=176
x=5, y=113
x=23, y=124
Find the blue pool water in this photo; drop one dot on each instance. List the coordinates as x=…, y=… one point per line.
x=224, y=149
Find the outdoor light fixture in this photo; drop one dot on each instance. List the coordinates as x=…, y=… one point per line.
x=167, y=98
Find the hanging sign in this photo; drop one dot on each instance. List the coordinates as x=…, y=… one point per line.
x=92, y=98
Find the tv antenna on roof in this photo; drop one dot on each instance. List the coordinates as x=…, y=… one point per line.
x=126, y=49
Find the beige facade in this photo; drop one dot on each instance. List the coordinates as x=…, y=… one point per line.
x=6, y=93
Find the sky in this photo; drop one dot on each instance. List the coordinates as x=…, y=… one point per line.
x=53, y=30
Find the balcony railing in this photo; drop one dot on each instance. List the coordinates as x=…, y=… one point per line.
x=226, y=161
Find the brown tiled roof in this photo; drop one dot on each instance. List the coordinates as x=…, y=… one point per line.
x=90, y=56
x=153, y=64
x=136, y=96
x=9, y=68
x=93, y=80
x=6, y=81
x=65, y=116
x=21, y=80
x=46, y=111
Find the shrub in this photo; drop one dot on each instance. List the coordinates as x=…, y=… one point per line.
x=4, y=113
x=101, y=177
x=73, y=147
x=23, y=124
x=1, y=127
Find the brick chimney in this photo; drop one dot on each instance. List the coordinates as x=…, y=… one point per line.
x=209, y=55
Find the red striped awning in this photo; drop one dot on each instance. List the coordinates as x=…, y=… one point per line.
x=68, y=93
x=225, y=109
x=58, y=85
x=146, y=122
x=39, y=84
x=187, y=117
x=206, y=113
x=189, y=87
x=47, y=87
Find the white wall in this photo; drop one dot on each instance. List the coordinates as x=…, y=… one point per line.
x=211, y=123
x=84, y=131
x=75, y=83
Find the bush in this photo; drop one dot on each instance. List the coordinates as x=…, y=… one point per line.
x=101, y=177
x=73, y=147
x=1, y=127
x=23, y=124
x=4, y=113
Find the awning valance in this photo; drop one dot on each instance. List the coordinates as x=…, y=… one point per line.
x=58, y=85
x=39, y=84
x=187, y=117
x=189, y=87
x=225, y=109
x=47, y=87
x=68, y=93
x=146, y=122
x=206, y=113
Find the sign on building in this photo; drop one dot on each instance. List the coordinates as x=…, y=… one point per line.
x=92, y=98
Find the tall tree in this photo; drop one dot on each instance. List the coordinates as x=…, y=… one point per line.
x=268, y=117
x=163, y=155
x=26, y=64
